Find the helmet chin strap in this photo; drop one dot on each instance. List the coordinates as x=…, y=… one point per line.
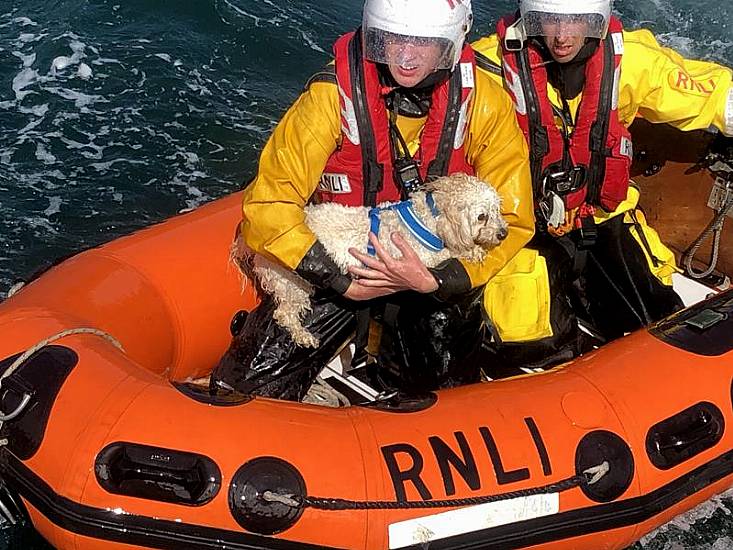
x=415, y=101
x=433, y=79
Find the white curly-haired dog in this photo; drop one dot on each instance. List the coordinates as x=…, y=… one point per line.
x=466, y=217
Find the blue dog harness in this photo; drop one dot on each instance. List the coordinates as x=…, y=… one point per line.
x=406, y=213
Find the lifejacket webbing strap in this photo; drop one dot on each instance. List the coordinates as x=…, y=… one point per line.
x=487, y=64
x=373, y=171
x=599, y=130
x=539, y=142
x=439, y=166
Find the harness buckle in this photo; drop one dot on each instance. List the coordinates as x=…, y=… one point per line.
x=563, y=182
x=586, y=226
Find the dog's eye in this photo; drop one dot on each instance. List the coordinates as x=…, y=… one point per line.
x=483, y=217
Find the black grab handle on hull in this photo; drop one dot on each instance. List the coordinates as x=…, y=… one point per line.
x=684, y=435
x=154, y=473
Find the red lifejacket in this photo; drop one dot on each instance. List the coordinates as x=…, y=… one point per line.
x=599, y=142
x=360, y=171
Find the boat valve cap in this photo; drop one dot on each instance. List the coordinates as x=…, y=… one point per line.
x=266, y=495
x=601, y=446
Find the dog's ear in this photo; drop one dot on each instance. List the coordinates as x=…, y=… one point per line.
x=453, y=223
x=455, y=228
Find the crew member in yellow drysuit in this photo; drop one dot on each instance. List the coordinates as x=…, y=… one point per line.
x=578, y=80
x=430, y=113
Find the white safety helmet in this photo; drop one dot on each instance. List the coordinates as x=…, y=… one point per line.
x=553, y=17
x=443, y=23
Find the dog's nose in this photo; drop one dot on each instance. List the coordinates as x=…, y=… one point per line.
x=502, y=233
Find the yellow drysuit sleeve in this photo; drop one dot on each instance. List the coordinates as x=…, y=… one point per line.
x=661, y=86
x=289, y=169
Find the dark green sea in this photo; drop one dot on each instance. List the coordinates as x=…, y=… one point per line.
x=116, y=114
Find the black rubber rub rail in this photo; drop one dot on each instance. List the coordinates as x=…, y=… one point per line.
x=127, y=528
x=153, y=533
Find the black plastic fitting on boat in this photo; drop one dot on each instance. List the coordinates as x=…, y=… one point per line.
x=254, y=482
x=704, y=329
x=603, y=446
x=237, y=323
x=42, y=375
x=155, y=473
x=684, y=435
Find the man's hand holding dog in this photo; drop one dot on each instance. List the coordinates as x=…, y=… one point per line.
x=382, y=274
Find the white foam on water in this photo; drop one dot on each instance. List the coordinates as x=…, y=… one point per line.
x=26, y=59
x=37, y=222
x=24, y=22
x=37, y=110
x=60, y=63
x=6, y=155
x=58, y=174
x=80, y=99
x=164, y=57
x=54, y=206
x=311, y=43
x=106, y=61
x=686, y=521
x=723, y=543
x=27, y=129
x=243, y=13
x=43, y=154
x=84, y=71
x=22, y=80
x=103, y=167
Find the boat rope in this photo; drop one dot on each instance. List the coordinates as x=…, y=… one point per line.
x=27, y=354
x=715, y=227
x=587, y=477
x=15, y=288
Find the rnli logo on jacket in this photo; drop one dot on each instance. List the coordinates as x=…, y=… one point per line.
x=680, y=80
x=338, y=184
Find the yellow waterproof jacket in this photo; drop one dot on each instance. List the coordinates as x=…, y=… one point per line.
x=657, y=84
x=294, y=157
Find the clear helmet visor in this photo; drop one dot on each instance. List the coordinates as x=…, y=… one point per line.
x=588, y=25
x=409, y=52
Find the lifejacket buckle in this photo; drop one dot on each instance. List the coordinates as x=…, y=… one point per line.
x=563, y=182
x=552, y=209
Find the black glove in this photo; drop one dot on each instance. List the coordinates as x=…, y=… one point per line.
x=452, y=279
x=321, y=271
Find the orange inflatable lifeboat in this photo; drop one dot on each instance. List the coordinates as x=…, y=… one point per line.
x=108, y=442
